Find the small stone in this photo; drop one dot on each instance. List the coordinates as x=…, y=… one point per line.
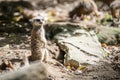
x=77, y=72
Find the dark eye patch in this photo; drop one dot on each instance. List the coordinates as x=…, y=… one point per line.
x=38, y=20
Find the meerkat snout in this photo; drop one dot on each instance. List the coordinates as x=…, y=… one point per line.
x=38, y=21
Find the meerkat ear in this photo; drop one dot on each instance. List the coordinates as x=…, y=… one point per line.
x=30, y=20
x=43, y=20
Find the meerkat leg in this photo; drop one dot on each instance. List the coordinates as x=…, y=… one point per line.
x=25, y=59
x=42, y=55
x=46, y=55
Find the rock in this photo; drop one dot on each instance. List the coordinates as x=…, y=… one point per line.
x=78, y=44
x=77, y=72
x=53, y=49
x=34, y=72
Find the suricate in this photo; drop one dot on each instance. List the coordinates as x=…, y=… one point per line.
x=84, y=7
x=114, y=6
x=38, y=41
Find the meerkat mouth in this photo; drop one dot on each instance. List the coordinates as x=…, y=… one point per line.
x=38, y=21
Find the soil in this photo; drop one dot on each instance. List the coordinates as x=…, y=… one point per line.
x=105, y=70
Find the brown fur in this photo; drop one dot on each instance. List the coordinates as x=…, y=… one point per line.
x=84, y=7
x=114, y=6
x=38, y=41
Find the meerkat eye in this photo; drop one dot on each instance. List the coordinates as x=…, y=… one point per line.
x=38, y=20
x=42, y=20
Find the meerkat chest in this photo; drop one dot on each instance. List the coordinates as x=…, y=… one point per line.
x=38, y=37
x=38, y=33
x=41, y=33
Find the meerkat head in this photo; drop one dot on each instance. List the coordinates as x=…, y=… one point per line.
x=38, y=21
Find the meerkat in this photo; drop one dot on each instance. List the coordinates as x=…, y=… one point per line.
x=84, y=7
x=115, y=8
x=38, y=41
x=114, y=5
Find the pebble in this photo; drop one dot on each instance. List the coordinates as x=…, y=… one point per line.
x=77, y=72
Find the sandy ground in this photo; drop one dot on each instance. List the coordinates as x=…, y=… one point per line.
x=103, y=71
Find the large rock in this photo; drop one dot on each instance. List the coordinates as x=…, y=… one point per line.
x=78, y=44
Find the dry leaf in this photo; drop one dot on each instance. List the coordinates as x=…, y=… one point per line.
x=104, y=45
x=51, y=13
x=81, y=67
x=106, y=54
x=50, y=19
x=52, y=62
x=17, y=18
x=68, y=67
